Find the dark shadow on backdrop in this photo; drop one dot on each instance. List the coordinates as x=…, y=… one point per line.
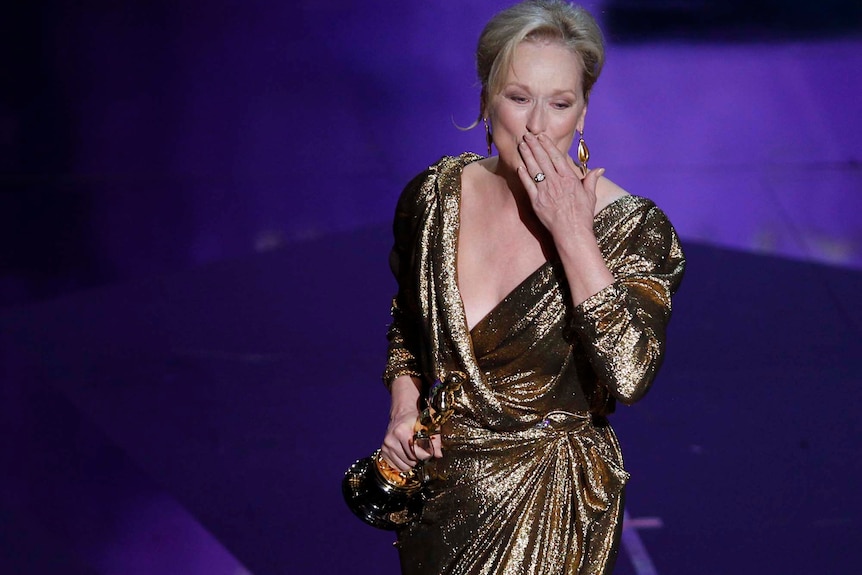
x=730, y=20
x=46, y=246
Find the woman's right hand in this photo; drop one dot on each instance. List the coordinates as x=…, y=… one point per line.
x=398, y=447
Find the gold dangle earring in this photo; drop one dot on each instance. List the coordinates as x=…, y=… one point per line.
x=488, y=139
x=583, y=153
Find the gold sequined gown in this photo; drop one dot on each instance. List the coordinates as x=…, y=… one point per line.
x=531, y=481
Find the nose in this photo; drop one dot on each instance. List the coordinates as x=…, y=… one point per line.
x=536, y=120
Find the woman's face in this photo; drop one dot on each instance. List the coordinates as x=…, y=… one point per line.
x=541, y=94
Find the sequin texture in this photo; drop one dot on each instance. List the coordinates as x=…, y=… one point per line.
x=532, y=479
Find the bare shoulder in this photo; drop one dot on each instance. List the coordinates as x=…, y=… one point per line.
x=607, y=192
x=476, y=179
x=475, y=172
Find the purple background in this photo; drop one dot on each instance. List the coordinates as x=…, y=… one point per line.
x=160, y=415
x=148, y=137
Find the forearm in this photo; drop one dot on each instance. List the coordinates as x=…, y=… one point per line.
x=405, y=391
x=621, y=316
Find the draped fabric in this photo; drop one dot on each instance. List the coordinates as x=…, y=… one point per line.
x=532, y=479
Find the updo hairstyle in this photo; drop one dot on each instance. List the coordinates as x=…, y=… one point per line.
x=537, y=20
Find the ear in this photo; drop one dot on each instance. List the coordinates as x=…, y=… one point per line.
x=582, y=119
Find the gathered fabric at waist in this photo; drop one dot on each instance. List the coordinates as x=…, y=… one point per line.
x=568, y=446
x=460, y=429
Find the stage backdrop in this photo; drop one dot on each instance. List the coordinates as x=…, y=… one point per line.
x=144, y=137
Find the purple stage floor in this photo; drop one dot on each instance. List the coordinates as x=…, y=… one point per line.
x=200, y=423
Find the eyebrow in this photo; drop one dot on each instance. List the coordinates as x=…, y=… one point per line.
x=526, y=89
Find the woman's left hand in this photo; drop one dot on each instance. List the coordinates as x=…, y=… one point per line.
x=564, y=201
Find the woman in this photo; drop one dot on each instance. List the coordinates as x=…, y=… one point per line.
x=544, y=290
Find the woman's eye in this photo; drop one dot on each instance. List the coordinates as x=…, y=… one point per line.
x=562, y=105
x=518, y=99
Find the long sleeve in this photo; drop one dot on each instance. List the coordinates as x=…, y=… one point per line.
x=623, y=326
x=404, y=332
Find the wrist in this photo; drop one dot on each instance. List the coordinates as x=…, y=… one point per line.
x=411, y=414
x=577, y=240
x=405, y=398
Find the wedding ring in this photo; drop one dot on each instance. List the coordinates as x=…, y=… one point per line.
x=540, y=177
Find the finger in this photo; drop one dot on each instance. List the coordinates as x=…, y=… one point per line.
x=399, y=453
x=576, y=168
x=541, y=148
x=531, y=175
x=529, y=159
x=549, y=159
x=422, y=449
x=527, y=181
x=437, y=445
x=561, y=162
x=591, y=180
x=395, y=460
x=403, y=461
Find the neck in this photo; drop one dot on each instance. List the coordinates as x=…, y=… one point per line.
x=508, y=179
x=511, y=188
x=502, y=176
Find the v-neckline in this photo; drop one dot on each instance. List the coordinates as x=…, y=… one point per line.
x=522, y=283
x=513, y=292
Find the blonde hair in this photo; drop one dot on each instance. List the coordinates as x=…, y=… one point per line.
x=537, y=20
